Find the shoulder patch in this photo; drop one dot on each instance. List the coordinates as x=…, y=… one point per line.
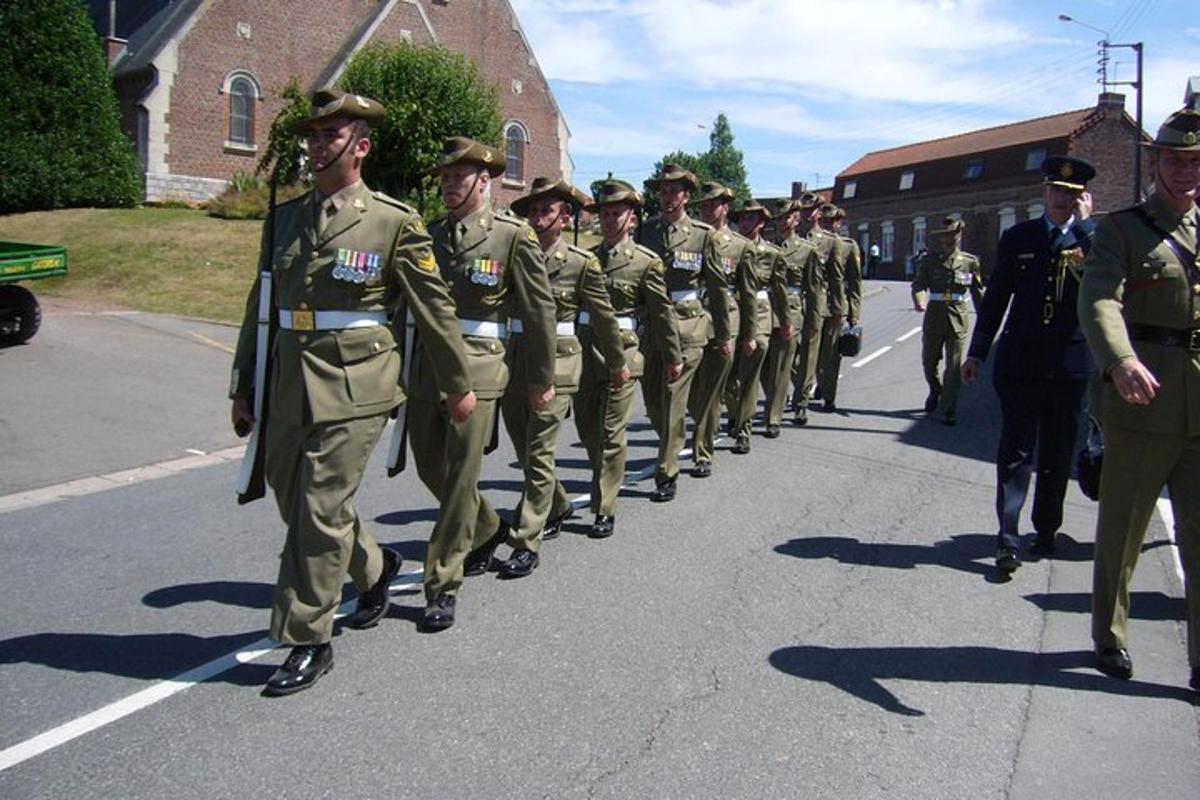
x=530, y=235
x=391, y=201
x=426, y=263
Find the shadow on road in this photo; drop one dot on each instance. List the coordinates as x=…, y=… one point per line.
x=859, y=670
x=229, y=593
x=1142, y=605
x=966, y=552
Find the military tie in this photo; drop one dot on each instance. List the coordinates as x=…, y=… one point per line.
x=325, y=214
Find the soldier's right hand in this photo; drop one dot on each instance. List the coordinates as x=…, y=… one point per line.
x=969, y=369
x=1134, y=382
x=620, y=378
x=749, y=345
x=787, y=331
x=460, y=406
x=673, y=372
x=242, y=416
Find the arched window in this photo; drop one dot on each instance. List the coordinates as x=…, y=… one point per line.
x=515, y=139
x=244, y=93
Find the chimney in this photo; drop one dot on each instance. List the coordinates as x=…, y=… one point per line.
x=798, y=188
x=1111, y=101
x=114, y=47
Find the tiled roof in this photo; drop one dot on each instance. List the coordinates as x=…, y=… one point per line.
x=1016, y=133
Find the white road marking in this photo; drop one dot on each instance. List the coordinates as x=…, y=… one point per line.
x=909, y=335
x=872, y=357
x=211, y=342
x=113, y=480
x=1168, y=518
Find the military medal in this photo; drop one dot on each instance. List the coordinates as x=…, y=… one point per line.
x=486, y=272
x=688, y=261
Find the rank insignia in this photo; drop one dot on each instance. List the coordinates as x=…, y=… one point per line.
x=530, y=235
x=426, y=263
x=486, y=272
x=418, y=225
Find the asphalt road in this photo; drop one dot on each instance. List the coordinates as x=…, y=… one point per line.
x=820, y=618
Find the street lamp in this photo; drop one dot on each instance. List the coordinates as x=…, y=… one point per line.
x=1136, y=47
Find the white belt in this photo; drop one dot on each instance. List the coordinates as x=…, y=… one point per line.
x=681, y=295
x=307, y=320
x=479, y=327
x=624, y=323
x=795, y=290
x=562, y=328
x=762, y=294
x=948, y=297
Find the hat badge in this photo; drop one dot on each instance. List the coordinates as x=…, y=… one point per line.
x=1189, y=138
x=487, y=154
x=361, y=102
x=1066, y=171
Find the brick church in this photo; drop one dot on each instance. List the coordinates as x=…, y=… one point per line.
x=196, y=79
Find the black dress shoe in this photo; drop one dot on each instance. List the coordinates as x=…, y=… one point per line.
x=931, y=402
x=554, y=525
x=664, y=492
x=830, y=406
x=1007, y=559
x=703, y=469
x=439, y=614
x=479, y=559
x=801, y=417
x=373, y=603
x=950, y=419
x=742, y=445
x=817, y=393
x=772, y=432
x=1195, y=679
x=304, y=665
x=1116, y=663
x=602, y=528
x=519, y=564
x=1043, y=545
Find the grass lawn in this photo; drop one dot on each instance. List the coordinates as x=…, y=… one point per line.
x=168, y=260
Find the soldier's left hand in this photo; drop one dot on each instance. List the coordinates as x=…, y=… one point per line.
x=837, y=320
x=969, y=369
x=727, y=350
x=673, y=372
x=460, y=406
x=749, y=346
x=620, y=378
x=540, y=396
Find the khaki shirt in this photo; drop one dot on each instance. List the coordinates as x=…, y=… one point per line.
x=948, y=279
x=1132, y=276
x=688, y=250
x=852, y=258
x=802, y=264
x=828, y=282
x=637, y=288
x=736, y=254
x=372, y=255
x=768, y=274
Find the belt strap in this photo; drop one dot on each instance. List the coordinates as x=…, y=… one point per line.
x=482, y=328
x=947, y=297
x=561, y=328
x=307, y=320
x=1187, y=338
x=682, y=295
x=762, y=294
x=624, y=323
x=795, y=290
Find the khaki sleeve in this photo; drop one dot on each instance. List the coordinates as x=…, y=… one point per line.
x=715, y=285
x=1099, y=304
x=854, y=287
x=920, y=281
x=661, y=311
x=603, y=318
x=241, y=383
x=779, y=296
x=535, y=306
x=429, y=302
x=835, y=277
x=747, y=288
x=976, y=284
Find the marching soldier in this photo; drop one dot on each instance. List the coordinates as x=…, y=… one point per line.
x=1139, y=307
x=736, y=255
x=801, y=262
x=342, y=257
x=851, y=257
x=768, y=284
x=496, y=270
x=824, y=306
x=688, y=250
x=580, y=295
x=1042, y=361
x=637, y=291
x=948, y=277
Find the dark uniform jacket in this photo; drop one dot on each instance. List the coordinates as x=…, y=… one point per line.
x=1036, y=280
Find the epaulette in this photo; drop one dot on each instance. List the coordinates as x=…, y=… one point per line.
x=509, y=218
x=391, y=201
x=646, y=251
x=577, y=250
x=769, y=245
x=704, y=226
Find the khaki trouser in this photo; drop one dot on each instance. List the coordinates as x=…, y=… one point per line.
x=933, y=344
x=830, y=361
x=804, y=377
x=601, y=418
x=749, y=369
x=534, y=436
x=777, y=374
x=666, y=405
x=315, y=470
x=449, y=457
x=1136, y=467
x=704, y=401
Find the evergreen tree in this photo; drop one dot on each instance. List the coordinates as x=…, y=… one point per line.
x=723, y=161
x=63, y=145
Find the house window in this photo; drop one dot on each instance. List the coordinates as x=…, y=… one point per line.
x=515, y=139
x=918, y=242
x=864, y=236
x=973, y=170
x=1008, y=218
x=243, y=93
x=887, y=241
x=848, y=189
x=1034, y=159
x=906, y=180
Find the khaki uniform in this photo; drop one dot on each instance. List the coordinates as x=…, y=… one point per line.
x=801, y=263
x=948, y=279
x=332, y=389
x=496, y=269
x=1137, y=293
x=825, y=297
x=576, y=283
x=768, y=286
x=830, y=361
x=688, y=250
x=736, y=254
x=637, y=292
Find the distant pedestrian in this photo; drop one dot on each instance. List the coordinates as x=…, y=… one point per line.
x=872, y=261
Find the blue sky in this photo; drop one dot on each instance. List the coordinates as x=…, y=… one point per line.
x=810, y=86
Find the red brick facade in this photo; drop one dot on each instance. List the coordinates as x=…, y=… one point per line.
x=177, y=106
x=1007, y=189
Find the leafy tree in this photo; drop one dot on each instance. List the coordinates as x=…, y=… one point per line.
x=430, y=94
x=723, y=161
x=284, y=154
x=691, y=162
x=62, y=144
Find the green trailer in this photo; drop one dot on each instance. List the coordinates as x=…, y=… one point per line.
x=20, y=314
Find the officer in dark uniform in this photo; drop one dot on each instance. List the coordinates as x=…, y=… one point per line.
x=1042, y=360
